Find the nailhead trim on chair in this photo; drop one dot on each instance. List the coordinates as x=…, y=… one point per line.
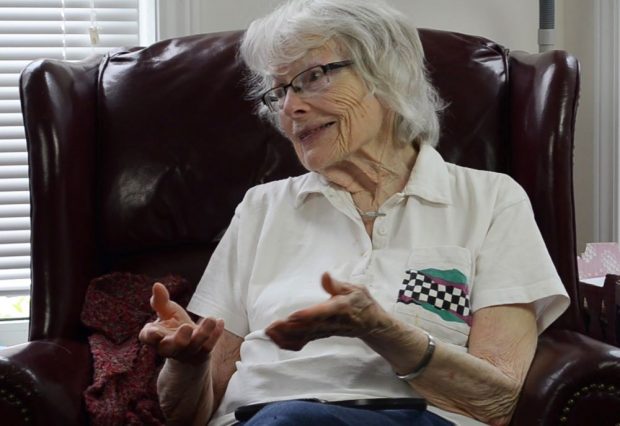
x=585, y=391
x=16, y=389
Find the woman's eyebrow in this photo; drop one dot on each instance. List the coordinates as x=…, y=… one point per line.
x=278, y=81
x=285, y=78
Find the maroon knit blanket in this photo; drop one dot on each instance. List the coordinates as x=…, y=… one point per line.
x=125, y=371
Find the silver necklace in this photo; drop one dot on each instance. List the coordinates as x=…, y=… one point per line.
x=371, y=214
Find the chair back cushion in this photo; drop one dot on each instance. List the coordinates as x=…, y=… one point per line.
x=179, y=144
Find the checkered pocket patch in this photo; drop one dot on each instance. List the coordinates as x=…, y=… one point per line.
x=447, y=298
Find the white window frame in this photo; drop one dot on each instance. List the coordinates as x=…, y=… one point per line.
x=177, y=18
x=148, y=18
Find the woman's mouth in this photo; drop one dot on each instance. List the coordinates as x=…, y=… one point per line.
x=307, y=134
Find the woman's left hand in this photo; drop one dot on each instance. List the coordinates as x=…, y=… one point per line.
x=350, y=311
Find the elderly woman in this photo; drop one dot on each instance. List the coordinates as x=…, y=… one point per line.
x=384, y=272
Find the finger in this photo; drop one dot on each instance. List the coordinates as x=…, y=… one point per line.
x=294, y=335
x=202, y=335
x=285, y=339
x=150, y=334
x=282, y=338
x=173, y=346
x=313, y=314
x=214, y=336
x=294, y=330
x=333, y=286
x=161, y=303
x=183, y=336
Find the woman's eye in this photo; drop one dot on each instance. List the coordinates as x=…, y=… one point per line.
x=314, y=76
x=277, y=94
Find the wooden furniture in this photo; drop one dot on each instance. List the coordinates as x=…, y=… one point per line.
x=600, y=304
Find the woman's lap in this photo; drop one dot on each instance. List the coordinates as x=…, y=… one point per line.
x=303, y=413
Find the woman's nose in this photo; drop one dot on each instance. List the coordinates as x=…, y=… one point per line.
x=294, y=103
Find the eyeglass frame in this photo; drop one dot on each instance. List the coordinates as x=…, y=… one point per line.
x=325, y=68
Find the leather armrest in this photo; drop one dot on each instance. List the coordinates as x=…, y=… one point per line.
x=573, y=380
x=41, y=382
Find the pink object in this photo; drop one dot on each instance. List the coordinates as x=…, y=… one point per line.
x=598, y=260
x=599, y=288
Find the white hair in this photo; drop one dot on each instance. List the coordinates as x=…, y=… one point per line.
x=383, y=44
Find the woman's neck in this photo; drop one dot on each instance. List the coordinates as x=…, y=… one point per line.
x=373, y=177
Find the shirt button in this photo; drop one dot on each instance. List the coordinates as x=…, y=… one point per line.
x=382, y=231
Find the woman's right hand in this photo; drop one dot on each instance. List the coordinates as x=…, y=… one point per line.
x=175, y=335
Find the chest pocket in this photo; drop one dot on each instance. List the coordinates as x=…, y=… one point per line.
x=434, y=292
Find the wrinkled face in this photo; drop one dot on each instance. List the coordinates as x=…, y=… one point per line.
x=329, y=127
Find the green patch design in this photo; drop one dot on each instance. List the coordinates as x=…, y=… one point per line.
x=453, y=275
x=444, y=314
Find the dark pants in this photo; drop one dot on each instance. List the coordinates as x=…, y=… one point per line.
x=302, y=413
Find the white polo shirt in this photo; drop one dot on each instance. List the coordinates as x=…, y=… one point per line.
x=455, y=240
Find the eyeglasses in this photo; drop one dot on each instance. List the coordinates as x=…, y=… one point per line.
x=308, y=82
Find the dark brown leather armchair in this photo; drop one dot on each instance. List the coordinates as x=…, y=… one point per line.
x=138, y=159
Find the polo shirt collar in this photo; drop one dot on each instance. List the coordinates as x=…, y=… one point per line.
x=429, y=180
x=312, y=183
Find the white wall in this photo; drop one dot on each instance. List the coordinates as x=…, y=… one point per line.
x=489, y=18
x=513, y=24
x=493, y=19
x=578, y=22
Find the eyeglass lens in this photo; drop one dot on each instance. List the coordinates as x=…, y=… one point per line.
x=307, y=82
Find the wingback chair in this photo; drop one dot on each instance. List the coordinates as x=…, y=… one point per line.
x=138, y=159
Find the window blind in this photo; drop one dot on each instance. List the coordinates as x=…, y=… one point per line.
x=29, y=30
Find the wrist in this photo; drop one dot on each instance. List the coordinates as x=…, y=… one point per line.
x=182, y=369
x=424, y=361
x=398, y=342
x=382, y=328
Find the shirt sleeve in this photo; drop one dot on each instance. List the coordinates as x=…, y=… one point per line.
x=220, y=292
x=513, y=264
